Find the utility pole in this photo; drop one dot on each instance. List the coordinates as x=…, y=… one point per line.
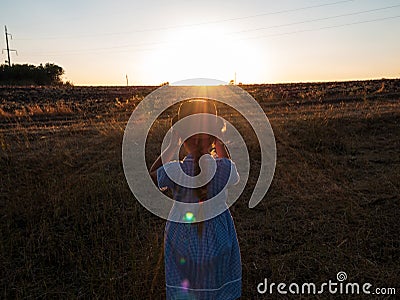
x=8, y=48
x=127, y=82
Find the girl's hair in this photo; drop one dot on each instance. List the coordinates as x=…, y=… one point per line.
x=189, y=108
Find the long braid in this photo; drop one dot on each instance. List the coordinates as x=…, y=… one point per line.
x=201, y=192
x=188, y=108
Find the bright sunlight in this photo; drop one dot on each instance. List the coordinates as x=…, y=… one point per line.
x=207, y=51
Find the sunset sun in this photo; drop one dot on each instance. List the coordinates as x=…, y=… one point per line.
x=206, y=51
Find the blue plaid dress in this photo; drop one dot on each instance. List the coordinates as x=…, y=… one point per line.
x=206, y=266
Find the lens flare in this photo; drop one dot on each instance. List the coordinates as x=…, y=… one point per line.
x=223, y=129
x=134, y=150
x=182, y=261
x=185, y=284
x=189, y=217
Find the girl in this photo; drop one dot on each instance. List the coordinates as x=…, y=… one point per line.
x=202, y=260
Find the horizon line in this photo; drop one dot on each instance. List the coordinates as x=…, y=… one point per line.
x=247, y=83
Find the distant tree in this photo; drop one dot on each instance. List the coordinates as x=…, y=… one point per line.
x=49, y=74
x=54, y=73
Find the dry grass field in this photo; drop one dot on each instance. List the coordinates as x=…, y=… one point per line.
x=71, y=228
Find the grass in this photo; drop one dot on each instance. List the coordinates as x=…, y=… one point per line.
x=46, y=109
x=71, y=228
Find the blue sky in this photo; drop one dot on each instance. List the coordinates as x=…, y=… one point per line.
x=100, y=42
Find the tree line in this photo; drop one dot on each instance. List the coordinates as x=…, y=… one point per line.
x=49, y=74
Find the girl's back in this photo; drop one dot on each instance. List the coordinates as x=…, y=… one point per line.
x=205, y=265
x=202, y=258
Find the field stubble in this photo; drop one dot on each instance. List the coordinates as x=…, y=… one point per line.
x=71, y=228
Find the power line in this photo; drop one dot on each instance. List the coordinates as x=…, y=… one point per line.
x=323, y=28
x=194, y=24
x=256, y=16
x=104, y=50
x=317, y=20
x=137, y=46
x=8, y=48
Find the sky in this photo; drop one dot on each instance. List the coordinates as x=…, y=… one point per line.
x=151, y=42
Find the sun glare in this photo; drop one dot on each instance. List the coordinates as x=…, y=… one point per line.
x=206, y=51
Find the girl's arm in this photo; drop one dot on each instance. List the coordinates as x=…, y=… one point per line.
x=168, y=154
